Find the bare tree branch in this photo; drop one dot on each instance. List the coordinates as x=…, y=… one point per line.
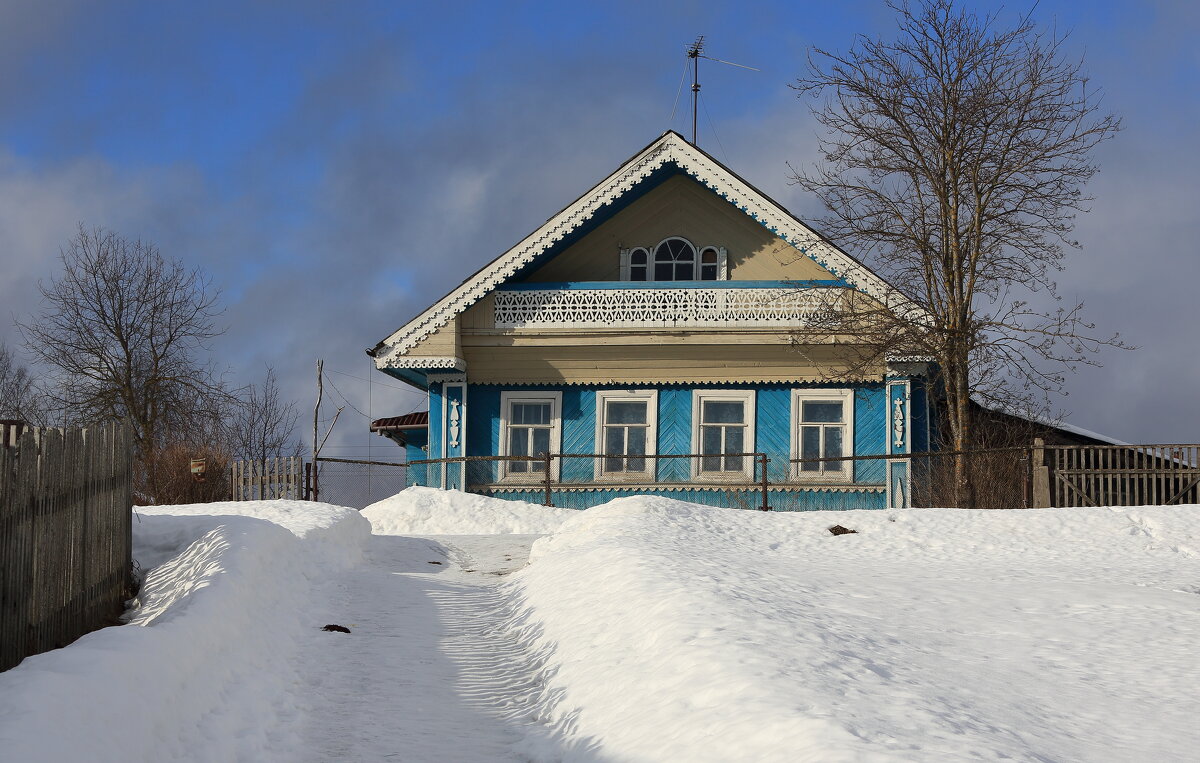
x=954, y=158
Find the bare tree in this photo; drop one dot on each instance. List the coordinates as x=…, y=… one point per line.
x=264, y=424
x=954, y=160
x=124, y=331
x=18, y=392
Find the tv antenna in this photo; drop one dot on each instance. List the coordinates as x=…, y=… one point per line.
x=695, y=52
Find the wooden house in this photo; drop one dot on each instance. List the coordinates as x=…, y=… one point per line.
x=648, y=332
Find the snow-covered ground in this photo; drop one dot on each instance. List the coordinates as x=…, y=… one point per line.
x=679, y=632
x=426, y=511
x=646, y=629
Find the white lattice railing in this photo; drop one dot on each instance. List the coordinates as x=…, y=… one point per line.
x=651, y=308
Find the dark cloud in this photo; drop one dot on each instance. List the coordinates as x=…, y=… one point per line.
x=383, y=171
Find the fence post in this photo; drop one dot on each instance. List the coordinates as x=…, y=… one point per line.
x=549, y=501
x=1041, y=475
x=766, y=506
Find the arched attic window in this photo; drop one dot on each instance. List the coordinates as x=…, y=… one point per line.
x=673, y=259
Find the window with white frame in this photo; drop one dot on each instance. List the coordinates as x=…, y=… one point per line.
x=625, y=431
x=723, y=426
x=530, y=425
x=823, y=427
x=674, y=259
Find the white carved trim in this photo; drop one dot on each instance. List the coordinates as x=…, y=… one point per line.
x=417, y=361
x=670, y=148
x=845, y=396
x=650, y=308
x=507, y=398
x=750, y=412
x=445, y=378
x=650, y=398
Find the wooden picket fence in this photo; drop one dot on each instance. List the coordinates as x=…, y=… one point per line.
x=65, y=535
x=1116, y=475
x=268, y=479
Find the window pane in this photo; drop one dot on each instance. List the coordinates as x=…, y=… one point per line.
x=664, y=271
x=636, y=441
x=637, y=257
x=541, y=441
x=710, y=442
x=733, y=444
x=685, y=271
x=637, y=272
x=709, y=256
x=708, y=272
x=810, y=447
x=635, y=446
x=530, y=413
x=614, y=443
x=518, y=442
x=625, y=413
x=819, y=412
x=833, y=449
x=720, y=412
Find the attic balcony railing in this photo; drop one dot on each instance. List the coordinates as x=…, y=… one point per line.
x=667, y=306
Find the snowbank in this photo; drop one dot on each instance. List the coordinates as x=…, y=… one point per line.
x=208, y=651
x=678, y=632
x=428, y=511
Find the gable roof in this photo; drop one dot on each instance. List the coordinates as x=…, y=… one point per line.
x=671, y=149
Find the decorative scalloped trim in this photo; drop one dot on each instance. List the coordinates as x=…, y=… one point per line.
x=418, y=361
x=680, y=488
x=741, y=379
x=670, y=148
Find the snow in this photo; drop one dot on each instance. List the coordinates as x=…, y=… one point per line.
x=682, y=632
x=646, y=629
x=209, y=650
x=428, y=511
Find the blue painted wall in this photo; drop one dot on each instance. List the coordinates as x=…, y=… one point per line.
x=578, y=433
x=772, y=436
x=674, y=432
x=870, y=432
x=772, y=429
x=780, y=500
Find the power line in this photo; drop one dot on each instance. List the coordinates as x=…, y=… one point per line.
x=678, y=92
x=371, y=381
x=713, y=127
x=344, y=400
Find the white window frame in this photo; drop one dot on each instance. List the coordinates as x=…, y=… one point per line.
x=846, y=397
x=507, y=398
x=650, y=396
x=722, y=260
x=746, y=396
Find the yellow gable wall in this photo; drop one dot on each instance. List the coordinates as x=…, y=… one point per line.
x=682, y=207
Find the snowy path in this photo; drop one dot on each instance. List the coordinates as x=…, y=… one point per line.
x=423, y=675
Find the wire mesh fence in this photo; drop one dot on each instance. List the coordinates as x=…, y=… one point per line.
x=1000, y=478
x=357, y=483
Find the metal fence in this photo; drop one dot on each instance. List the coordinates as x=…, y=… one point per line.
x=65, y=536
x=1001, y=478
x=357, y=482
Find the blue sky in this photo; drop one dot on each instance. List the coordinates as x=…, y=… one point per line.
x=336, y=167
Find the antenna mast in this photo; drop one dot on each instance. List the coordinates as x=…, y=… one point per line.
x=695, y=52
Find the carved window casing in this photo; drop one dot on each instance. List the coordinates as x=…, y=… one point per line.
x=823, y=427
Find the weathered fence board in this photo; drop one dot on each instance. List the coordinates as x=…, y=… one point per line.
x=267, y=479
x=1118, y=475
x=65, y=536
